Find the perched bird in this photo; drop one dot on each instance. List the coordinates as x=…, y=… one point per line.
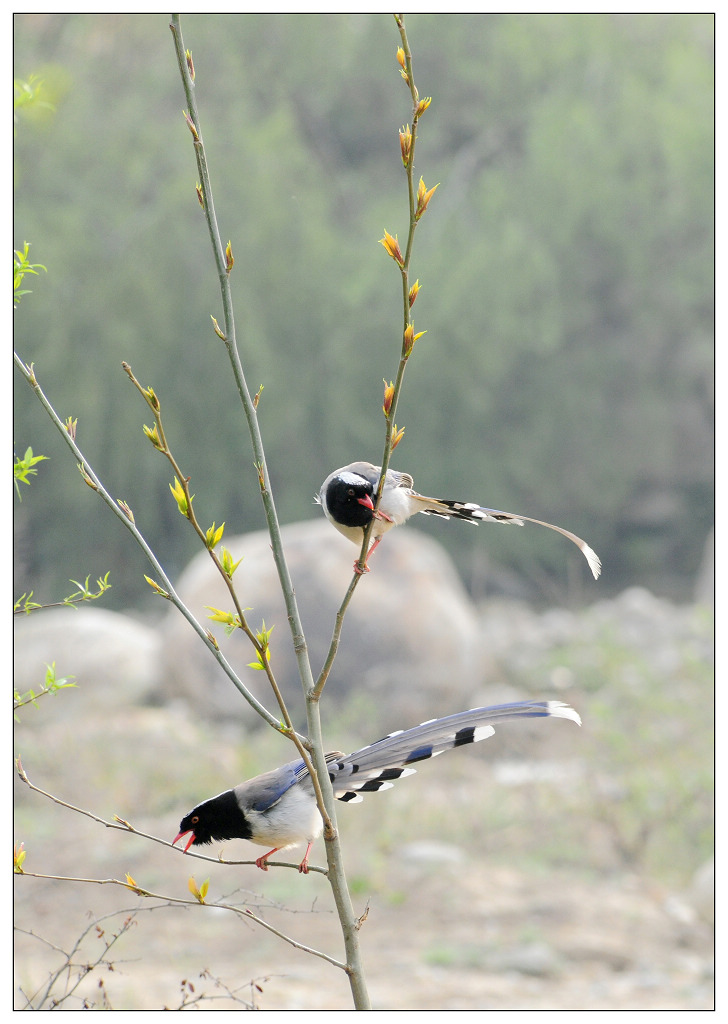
x=346, y=498
x=279, y=809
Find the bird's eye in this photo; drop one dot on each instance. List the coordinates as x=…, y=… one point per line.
x=350, y=492
x=194, y=820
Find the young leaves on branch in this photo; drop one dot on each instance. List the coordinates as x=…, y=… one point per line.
x=24, y=605
x=52, y=685
x=25, y=468
x=21, y=267
x=262, y=656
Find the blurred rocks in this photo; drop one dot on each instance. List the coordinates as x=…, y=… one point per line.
x=704, y=591
x=410, y=643
x=115, y=661
x=701, y=892
x=648, y=633
x=413, y=646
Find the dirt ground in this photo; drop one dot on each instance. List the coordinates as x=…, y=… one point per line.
x=445, y=930
x=493, y=878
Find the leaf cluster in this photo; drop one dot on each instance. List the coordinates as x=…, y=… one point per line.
x=52, y=685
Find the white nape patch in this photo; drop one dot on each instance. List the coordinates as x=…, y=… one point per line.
x=351, y=478
x=482, y=732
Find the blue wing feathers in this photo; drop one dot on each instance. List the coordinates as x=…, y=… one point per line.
x=262, y=792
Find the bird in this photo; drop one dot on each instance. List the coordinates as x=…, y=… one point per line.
x=279, y=809
x=346, y=496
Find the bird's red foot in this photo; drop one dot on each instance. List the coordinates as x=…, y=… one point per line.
x=262, y=862
x=303, y=866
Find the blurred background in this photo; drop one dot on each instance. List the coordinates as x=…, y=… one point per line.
x=566, y=272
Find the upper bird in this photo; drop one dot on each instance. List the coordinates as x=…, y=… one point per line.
x=279, y=808
x=346, y=498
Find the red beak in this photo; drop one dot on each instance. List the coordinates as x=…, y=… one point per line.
x=366, y=501
x=190, y=841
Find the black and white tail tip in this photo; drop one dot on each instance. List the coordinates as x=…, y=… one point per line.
x=379, y=765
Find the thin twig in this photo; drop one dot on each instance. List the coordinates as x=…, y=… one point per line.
x=124, y=826
x=402, y=365
x=179, y=901
x=318, y=768
x=167, y=588
x=161, y=444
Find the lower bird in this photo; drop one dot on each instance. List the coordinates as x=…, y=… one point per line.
x=346, y=497
x=279, y=809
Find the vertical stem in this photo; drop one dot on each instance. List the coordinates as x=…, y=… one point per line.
x=404, y=269
x=337, y=877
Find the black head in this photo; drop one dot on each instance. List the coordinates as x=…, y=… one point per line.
x=349, y=500
x=214, y=821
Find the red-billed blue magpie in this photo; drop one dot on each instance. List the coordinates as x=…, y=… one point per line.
x=279, y=809
x=346, y=497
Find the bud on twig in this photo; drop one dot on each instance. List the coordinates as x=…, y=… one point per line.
x=131, y=884
x=19, y=852
x=423, y=198
x=227, y=618
x=409, y=339
x=392, y=246
x=262, y=656
x=397, y=435
x=405, y=144
x=388, y=397
x=200, y=893
x=191, y=126
x=261, y=475
x=156, y=587
x=125, y=509
x=153, y=435
x=228, y=565
x=213, y=536
x=87, y=479
x=152, y=400
x=178, y=493
x=216, y=325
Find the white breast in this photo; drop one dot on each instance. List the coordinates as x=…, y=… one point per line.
x=294, y=819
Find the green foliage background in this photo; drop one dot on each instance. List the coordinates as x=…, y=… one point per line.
x=566, y=265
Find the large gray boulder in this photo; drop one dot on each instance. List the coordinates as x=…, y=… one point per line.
x=410, y=644
x=115, y=660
